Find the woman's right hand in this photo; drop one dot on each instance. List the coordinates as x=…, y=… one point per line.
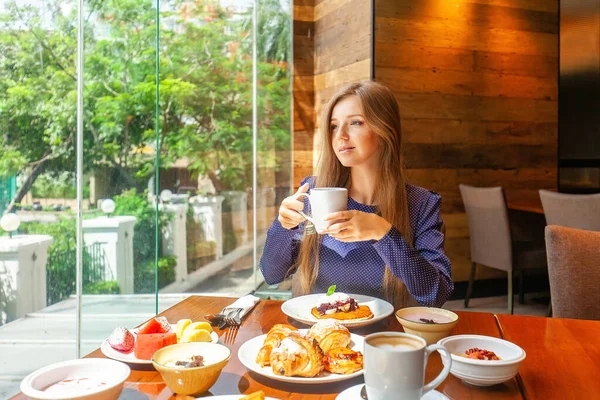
x=289, y=217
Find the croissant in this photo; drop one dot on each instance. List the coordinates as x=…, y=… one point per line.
x=342, y=360
x=297, y=355
x=274, y=337
x=330, y=334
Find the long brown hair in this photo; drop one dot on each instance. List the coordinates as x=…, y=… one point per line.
x=382, y=116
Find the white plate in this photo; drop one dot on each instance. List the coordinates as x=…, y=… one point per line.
x=248, y=351
x=353, y=393
x=299, y=308
x=130, y=358
x=230, y=397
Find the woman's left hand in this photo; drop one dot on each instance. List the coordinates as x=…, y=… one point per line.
x=356, y=226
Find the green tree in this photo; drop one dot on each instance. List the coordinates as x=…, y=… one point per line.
x=131, y=203
x=205, y=91
x=37, y=94
x=274, y=24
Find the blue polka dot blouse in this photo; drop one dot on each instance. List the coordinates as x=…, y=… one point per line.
x=358, y=267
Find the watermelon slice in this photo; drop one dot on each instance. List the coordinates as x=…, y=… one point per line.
x=152, y=326
x=147, y=344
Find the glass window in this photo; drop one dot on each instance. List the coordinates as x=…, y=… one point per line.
x=274, y=177
x=178, y=190
x=37, y=165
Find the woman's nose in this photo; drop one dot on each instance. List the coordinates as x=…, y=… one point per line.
x=342, y=132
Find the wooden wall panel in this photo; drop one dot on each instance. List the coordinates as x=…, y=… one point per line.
x=468, y=83
x=441, y=131
x=477, y=86
x=453, y=59
x=303, y=85
x=472, y=108
x=331, y=49
x=343, y=35
x=540, y=5
x=455, y=34
x=473, y=14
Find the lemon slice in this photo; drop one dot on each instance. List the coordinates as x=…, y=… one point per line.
x=196, y=335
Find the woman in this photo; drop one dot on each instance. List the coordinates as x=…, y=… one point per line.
x=389, y=243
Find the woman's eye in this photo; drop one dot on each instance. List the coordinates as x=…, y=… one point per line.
x=333, y=127
x=356, y=122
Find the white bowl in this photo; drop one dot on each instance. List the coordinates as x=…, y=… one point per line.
x=483, y=372
x=112, y=373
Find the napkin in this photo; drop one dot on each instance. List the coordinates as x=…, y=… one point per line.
x=246, y=303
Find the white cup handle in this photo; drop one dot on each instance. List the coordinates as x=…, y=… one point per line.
x=444, y=374
x=301, y=212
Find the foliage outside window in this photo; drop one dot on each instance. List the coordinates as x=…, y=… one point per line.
x=205, y=88
x=60, y=269
x=130, y=203
x=205, y=108
x=62, y=272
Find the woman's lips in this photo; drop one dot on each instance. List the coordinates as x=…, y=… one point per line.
x=345, y=149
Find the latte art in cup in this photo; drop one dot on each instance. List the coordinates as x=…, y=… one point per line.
x=395, y=343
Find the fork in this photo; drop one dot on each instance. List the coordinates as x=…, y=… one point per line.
x=229, y=320
x=230, y=335
x=233, y=318
x=219, y=319
x=225, y=321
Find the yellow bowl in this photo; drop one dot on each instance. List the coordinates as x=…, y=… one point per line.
x=191, y=380
x=445, y=321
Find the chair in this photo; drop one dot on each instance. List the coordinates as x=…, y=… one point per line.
x=574, y=271
x=580, y=211
x=491, y=240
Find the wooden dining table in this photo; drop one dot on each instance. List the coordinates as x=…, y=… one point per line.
x=563, y=356
x=555, y=367
x=526, y=205
x=236, y=379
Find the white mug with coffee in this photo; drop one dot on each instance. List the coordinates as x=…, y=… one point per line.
x=323, y=201
x=394, y=366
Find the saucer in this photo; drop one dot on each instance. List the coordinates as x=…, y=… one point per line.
x=353, y=393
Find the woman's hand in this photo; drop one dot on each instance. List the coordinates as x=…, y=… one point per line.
x=355, y=226
x=288, y=211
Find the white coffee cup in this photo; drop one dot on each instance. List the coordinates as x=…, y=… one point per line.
x=324, y=201
x=394, y=366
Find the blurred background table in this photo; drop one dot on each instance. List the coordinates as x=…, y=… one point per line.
x=526, y=205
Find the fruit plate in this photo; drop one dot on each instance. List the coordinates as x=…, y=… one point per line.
x=129, y=357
